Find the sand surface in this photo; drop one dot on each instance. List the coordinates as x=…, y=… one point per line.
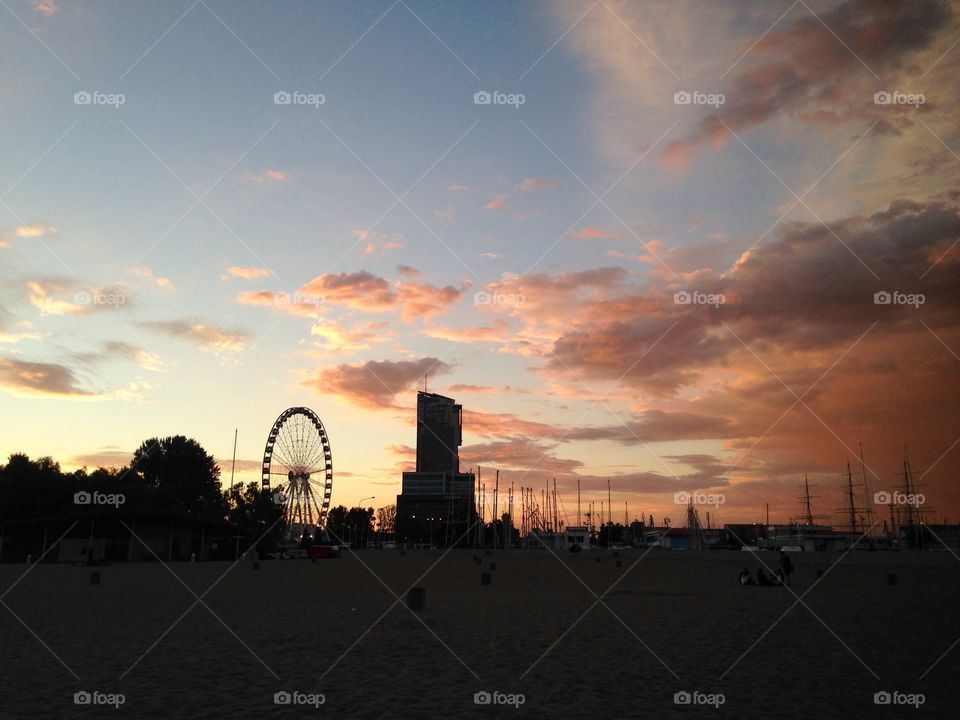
x=675, y=621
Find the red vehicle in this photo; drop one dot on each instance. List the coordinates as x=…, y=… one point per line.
x=322, y=551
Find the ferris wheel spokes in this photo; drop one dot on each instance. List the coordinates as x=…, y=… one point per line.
x=298, y=450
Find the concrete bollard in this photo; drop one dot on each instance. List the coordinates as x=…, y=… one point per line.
x=417, y=598
x=485, y=578
x=94, y=578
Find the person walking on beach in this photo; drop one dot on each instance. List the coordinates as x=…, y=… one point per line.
x=786, y=564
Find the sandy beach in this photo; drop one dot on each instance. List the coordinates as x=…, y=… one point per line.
x=675, y=622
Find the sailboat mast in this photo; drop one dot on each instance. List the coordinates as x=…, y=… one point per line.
x=852, y=508
x=233, y=465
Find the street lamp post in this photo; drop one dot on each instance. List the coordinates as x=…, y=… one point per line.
x=367, y=527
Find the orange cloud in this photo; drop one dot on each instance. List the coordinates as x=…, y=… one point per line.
x=29, y=230
x=207, y=337
x=496, y=203
x=32, y=379
x=45, y=7
x=339, y=338
x=78, y=301
x=532, y=184
x=368, y=292
x=589, y=232
x=375, y=384
x=496, y=332
x=297, y=303
x=426, y=301
x=266, y=176
x=800, y=69
x=147, y=274
x=246, y=273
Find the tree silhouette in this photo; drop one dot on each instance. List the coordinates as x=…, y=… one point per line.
x=387, y=519
x=337, y=523
x=256, y=514
x=183, y=472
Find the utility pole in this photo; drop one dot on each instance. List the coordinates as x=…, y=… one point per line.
x=609, y=505
x=556, y=515
x=496, y=492
x=578, y=503
x=479, y=523
x=867, y=504
x=852, y=509
x=233, y=465
x=508, y=540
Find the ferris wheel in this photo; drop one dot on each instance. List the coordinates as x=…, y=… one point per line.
x=298, y=467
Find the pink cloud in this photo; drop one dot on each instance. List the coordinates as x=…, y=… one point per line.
x=496, y=203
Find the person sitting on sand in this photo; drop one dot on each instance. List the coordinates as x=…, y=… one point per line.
x=762, y=578
x=745, y=578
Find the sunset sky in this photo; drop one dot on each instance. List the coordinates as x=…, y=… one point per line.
x=184, y=255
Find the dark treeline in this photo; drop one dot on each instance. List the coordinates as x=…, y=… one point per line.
x=173, y=475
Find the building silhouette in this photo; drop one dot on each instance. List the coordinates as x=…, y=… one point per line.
x=439, y=433
x=437, y=501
